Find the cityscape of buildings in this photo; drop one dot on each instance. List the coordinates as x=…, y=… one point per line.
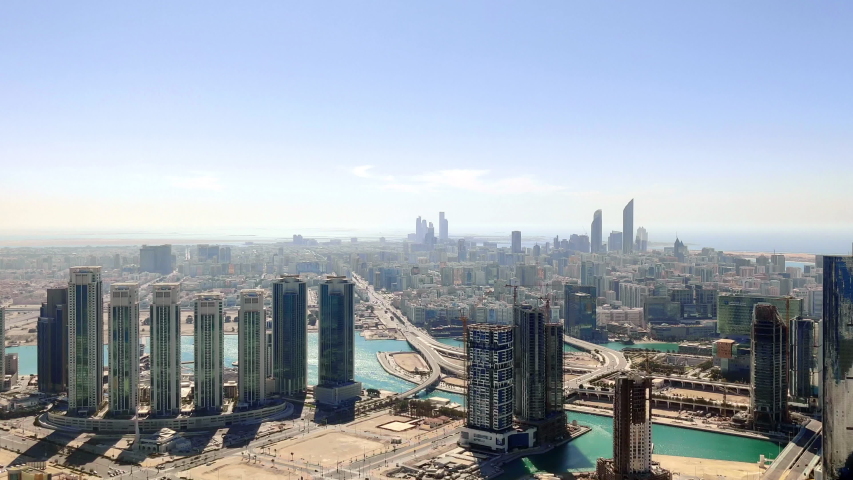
x=765, y=336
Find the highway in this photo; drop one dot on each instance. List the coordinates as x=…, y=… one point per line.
x=435, y=352
x=791, y=464
x=614, y=361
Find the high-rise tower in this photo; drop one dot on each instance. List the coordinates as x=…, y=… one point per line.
x=336, y=372
x=290, y=335
x=52, y=344
x=837, y=366
x=442, y=227
x=251, y=348
x=628, y=227
x=209, y=345
x=529, y=357
x=802, y=354
x=632, y=434
x=165, y=342
x=124, y=348
x=490, y=395
x=516, y=241
x=769, y=399
x=595, y=233
x=2, y=347
x=85, y=340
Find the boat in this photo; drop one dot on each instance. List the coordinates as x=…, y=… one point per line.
x=234, y=363
x=626, y=341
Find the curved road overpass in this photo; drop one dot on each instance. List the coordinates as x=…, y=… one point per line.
x=436, y=352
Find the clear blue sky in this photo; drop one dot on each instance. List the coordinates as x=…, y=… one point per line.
x=712, y=115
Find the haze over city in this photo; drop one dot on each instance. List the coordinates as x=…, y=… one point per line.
x=426, y=240
x=718, y=118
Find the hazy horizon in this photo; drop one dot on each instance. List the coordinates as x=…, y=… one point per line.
x=724, y=116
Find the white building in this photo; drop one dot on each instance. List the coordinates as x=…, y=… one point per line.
x=165, y=341
x=124, y=348
x=251, y=348
x=209, y=345
x=85, y=340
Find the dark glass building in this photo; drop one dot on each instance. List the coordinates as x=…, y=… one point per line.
x=52, y=345
x=769, y=399
x=290, y=335
x=837, y=367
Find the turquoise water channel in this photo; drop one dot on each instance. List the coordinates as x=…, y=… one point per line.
x=581, y=453
x=578, y=455
x=367, y=368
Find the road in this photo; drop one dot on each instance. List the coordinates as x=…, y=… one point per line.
x=801, y=446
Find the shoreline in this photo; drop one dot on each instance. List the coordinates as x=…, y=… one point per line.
x=661, y=420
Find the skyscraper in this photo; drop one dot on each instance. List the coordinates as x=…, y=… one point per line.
x=642, y=241
x=802, y=357
x=251, y=348
x=2, y=348
x=462, y=249
x=52, y=344
x=837, y=366
x=442, y=227
x=516, y=241
x=490, y=395
x=85, y=340
x=628, y=227
x=580, y=311
x=290, y=335
x=632, y=434
x=529, y=357
x=165, y=341
x=156, y=259
x=124, y=348
x=734, y=311
x=595, y=233
x=614, y=243
x=769, y=399
x=777, y=263
x=209, y=349
x=336, y=375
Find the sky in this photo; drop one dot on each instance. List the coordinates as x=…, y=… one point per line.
x=723, y=116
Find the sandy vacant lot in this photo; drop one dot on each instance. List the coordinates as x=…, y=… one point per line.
x=707, y=394
x=327, y=448
x=411, y=362
x=234, y=468
x=708, y=469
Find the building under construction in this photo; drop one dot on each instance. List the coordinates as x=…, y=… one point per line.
x=632, y=434
x=769, y=399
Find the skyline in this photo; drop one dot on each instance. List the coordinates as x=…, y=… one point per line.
x=484, y=113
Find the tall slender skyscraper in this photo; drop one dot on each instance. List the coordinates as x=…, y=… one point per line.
x=290, y=335
x=124, y=348
x=802, y=354
x=837, y=366
x=209, y=349
x=529, y=363
x=769, y=399
x=2, y=347
x=52, y=345
x=336, y=344
x=491, y=390
x=516, y=241
x=165, y=341
x=595, y=233
x=632, y=434
x=442, y=227
x=85, y=340
x=628, y=227
x=251, y=348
